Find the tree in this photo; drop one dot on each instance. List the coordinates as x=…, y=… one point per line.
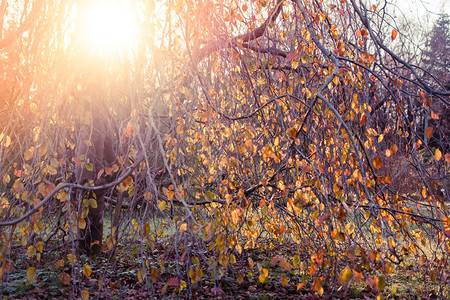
x=436, y=57
x=270, y=136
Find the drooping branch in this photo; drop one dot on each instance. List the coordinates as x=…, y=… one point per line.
x=217, y=45
x=73, y=186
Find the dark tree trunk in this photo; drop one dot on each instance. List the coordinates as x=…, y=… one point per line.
x=95, y=145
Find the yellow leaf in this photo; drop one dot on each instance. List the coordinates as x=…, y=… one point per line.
x=84, y=295
x=7, y=141
x=29, y=153
x=31, y=274
x=284, y=281
x=31, y=251
x=346, y=275
x=82, y=224
x=65, y=278
x=296, y=261
x=146, y=229
x=87, y=270
x=264, y=272
x=93, y=203
x=381, y=283
x=162, y=205
x=141, y=276
x=6, y=179
x=72, y=258
x=182, y=286
x=263, y=276
x=438, y=154
x=183, y=227
x=90, y=167
x=240, y=278
x=51, y=170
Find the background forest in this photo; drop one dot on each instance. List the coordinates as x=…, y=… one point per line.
x=233, y=149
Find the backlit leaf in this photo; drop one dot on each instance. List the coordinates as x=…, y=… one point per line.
x=346, y=275
x=377, y=163
x=438, y=154
x=394, y=34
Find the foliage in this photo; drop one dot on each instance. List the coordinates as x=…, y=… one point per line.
x=258, y=144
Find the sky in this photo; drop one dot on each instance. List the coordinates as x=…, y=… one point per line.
x=420, y=12
x=423, y=8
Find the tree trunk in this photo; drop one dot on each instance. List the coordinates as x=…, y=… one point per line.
x=94, y=146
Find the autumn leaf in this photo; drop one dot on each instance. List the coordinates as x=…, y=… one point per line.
x=317, y=285
x=284, y=281
x=84, y=295
x=240, y=278
x=394, y=34
x=434, y=116
x=438, y=154
x=183, y=227
x=377, y=163
x=65, y=278
x=263, y=275
x=394, y=149
x=346, y=275
x=363, y=120
x=141, y=276
x=87, y=270
x=31, y=274
x=429, y=132
x=29, y=153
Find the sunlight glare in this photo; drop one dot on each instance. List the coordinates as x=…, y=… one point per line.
x=109, y=25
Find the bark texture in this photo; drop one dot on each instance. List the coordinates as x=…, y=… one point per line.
x=94, y=147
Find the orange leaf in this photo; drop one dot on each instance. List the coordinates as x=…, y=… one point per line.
x=422, y=96
x=394, y=149
x=429, y=132
x=316, y=286
x=388, y=180
x=377, y=163
x=300, y=285
x=363, y=120
x=394, y=34
x=312, y=269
